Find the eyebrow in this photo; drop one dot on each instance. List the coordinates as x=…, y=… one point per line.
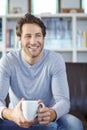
x=32, y=34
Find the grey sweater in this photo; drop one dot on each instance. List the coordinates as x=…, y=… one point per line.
x=45, y=80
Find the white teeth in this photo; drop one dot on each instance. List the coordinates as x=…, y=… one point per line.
x=34, y=47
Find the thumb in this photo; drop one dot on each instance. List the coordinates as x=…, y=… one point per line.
x=19, y=105
x=41, y=104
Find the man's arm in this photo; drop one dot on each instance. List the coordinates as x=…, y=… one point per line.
x=16, y=116
x=60, y=88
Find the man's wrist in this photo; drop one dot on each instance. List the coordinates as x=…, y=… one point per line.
x=53, y=115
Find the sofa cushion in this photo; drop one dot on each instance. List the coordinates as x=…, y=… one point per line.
x=77, y=79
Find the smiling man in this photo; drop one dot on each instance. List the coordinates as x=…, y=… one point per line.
x=34, y=73
x=32, y=42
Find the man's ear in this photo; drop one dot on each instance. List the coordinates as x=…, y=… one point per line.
x=19, y=39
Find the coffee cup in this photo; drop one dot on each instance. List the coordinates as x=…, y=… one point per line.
x=29, y=108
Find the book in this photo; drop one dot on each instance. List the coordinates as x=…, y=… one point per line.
x=0, y=29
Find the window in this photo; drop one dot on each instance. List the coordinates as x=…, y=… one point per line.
x=3, y=7
x=44, y=6
x=84, y=5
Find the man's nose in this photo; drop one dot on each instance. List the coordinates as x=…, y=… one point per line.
x=32, y=40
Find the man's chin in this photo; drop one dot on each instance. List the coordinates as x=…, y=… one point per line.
x=34, y=55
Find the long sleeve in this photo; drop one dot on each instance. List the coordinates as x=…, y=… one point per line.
x=4, y=84
x=60, y=88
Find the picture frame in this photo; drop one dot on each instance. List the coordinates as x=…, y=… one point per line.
x=18, y=6
x=70, y=5
x=16, y=10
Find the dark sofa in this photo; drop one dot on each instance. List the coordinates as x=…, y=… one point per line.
x=77, y=79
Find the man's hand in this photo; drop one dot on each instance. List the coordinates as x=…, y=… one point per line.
x=46, y=115
x=16, y=116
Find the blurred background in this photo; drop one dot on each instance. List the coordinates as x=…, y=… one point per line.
x=65, y=20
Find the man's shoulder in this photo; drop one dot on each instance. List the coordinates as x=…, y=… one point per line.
x=54, y=58
x=53, y=54
x=13, y=54
x=10, y=57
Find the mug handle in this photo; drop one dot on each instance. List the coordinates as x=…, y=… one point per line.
x=40, y=106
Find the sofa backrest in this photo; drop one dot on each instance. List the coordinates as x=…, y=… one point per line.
x=77, y=80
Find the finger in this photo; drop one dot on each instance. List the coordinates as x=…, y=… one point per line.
x=36, y=119
x=30, y=122
x=25, y=125
x=42, y=104
x=20, y=103
x=44, y=115
x=44, y=121
x=43, y=110
x=39, y=101
x=44, y=118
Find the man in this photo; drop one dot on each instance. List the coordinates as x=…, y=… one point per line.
x=33, y=73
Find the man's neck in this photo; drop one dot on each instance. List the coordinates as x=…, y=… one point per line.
x=31, y=60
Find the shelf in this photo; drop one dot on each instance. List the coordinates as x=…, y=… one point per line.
x=67, y=40
x=57, y=15
x=12, y=16
x=57, y=49
x=82, y=50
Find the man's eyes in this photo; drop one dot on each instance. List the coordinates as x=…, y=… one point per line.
x=38, y=35
x=29, y=36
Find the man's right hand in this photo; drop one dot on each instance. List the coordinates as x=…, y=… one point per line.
x=16, y=116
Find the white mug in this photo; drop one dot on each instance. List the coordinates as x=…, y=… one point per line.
x=29, y=108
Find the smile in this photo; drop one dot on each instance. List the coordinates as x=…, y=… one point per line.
x=33, y=47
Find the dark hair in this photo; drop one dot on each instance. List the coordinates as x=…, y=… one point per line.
x=29, y=18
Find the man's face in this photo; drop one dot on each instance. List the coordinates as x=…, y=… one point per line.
x=32, y=40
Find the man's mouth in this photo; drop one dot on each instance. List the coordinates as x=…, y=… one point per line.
x=33, y=47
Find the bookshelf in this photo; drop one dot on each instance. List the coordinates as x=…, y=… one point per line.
x=2, y=36
x=73, y=44
x=66, y=34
